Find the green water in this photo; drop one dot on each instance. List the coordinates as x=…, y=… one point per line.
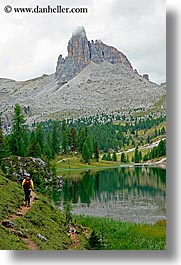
x=136, y=194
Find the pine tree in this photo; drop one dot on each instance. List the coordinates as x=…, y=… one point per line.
x=89, y=143
x=123, y=158
x=96, y=152
x=114, y=157
x=6, y=150
x=55, y=138
x=86, y=153
x=19, y=136
x=161, y=149
x=73, y=139
x=1, y=143
x=48, y=147
x=40, y=137
x=140, y=156
x=136, y=155
x=104, y=157
x=34, y=148
x=82, y=136
x=64, y=137
x=109, y=157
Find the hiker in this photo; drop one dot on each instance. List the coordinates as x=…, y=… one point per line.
x=27, y=185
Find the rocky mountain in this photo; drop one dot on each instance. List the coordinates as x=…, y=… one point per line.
x=92, y=79
x=81, y=52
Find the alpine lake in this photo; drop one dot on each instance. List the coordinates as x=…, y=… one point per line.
x=131, y=194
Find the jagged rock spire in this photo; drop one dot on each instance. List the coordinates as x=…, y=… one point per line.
x=78, y=47
x=81, y=52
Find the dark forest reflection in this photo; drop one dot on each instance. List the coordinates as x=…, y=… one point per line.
x=135, y=194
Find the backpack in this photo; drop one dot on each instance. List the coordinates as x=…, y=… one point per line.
x=27, y=184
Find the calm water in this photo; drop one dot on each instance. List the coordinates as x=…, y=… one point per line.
x=136, y=194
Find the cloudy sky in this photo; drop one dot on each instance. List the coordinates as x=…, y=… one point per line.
x=31, y=43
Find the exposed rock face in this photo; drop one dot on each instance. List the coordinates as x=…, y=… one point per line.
x=94, y=78
x=17, y=167
x=81, y=52
x=146, y=76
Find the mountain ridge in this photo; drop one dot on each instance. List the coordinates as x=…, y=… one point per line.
x=97, y=87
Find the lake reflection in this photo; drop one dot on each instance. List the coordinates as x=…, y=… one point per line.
x=136, y=194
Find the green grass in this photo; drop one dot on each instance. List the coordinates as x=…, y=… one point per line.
x=11, y=198
x=42, y=218
x=127, y=236
x=45, y=219
x=74, y=162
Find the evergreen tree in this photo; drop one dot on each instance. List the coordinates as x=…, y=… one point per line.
x=40, y=136
x=86, y=153
x=114, y=157
x=109, y=157
x=82, y=136
x=64, y=137
x=146, y=157
x=96, y=152
x=19, y=136
x=34, y=148
x=104, y=157
x=48, y=147
x=73, y=139
x=6, y=148
x=123, y=158
x=89, y=143
x=136, y=155
x=140, y=155
x=55, y=138
x=161, y=149
x=1, y=143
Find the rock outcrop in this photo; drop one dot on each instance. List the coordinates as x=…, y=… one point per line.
x=16, y=168
x=146, y=76
x=94, y=78
x=81, y=52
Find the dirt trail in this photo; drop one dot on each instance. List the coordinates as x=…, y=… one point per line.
x=22, y=212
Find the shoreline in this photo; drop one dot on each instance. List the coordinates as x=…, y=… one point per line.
x=161, y=163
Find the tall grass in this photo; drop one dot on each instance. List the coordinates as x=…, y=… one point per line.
x=117, y=235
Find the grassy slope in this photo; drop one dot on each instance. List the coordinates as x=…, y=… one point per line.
x=50, y=222
x=11, y=198
x=42, y=218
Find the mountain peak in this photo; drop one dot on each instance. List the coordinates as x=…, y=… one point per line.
x=81, y=52
x=79, y=31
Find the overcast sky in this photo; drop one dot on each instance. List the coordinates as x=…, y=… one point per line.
x=31, y=43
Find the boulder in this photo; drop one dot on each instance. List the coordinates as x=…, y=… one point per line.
x=8, y=223
x=42, y=238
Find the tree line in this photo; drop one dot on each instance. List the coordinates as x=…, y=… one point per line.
x=87, y=136
x=45, y=141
